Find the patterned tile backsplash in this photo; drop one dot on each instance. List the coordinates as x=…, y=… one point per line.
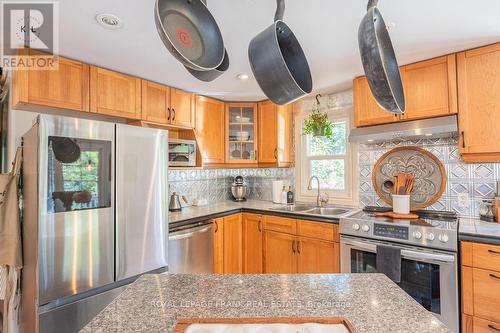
x=477, y=180
x=215, y=184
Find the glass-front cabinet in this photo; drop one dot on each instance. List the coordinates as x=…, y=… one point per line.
x=241, y=133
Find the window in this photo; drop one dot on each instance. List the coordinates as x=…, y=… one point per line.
x=331, y=160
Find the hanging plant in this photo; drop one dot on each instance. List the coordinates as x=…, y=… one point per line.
x=317, y=123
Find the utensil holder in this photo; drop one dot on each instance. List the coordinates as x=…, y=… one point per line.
x=401, y=204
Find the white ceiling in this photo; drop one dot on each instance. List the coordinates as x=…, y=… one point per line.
x=326, y=29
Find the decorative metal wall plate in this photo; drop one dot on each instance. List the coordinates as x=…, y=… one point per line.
x=429, y=172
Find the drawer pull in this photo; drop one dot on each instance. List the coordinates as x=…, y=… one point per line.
x=494, y=276
x=493, y=252
x=491, y=327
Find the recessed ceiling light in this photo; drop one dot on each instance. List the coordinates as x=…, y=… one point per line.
x=370, y=140
x=242, y=76
x=428, y=134
x=109, y=21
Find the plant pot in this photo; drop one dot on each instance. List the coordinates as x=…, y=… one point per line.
x=319, y=131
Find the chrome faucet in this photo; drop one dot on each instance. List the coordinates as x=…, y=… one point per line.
x=319, y=200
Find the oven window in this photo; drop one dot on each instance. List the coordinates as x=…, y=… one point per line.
x=79, y=174
x=420, y=280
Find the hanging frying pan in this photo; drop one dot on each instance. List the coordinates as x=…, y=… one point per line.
x=278, y=62
x=65, y=150
x=379, y=61
x=190, y=33
x=210, y=75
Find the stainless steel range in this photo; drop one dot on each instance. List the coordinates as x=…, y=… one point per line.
x=428, y=251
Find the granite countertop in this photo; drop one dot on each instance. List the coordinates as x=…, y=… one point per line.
x=371, y=302
x=230, y=207
x=469, y=229
x=479, y=231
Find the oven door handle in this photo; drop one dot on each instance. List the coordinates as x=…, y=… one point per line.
x=408, y=254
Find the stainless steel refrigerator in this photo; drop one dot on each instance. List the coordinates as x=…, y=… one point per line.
x=95, y=217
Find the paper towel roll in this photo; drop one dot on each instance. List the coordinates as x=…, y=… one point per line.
x=277, y=188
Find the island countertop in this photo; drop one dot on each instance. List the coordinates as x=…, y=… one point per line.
x=371, y=302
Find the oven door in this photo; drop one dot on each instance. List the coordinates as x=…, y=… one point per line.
x=429, y=276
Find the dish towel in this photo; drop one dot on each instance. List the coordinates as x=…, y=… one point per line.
x=10, y=243
x=389, y=262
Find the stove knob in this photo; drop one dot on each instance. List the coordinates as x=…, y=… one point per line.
x=355, y=226
x=430, y=236
x=365, y=228
x=443, y=238
x=417, y=234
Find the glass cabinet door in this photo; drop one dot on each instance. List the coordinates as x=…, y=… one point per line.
x=241, y=133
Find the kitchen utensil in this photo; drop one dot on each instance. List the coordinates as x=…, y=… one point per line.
x=236, y=153
x=379, y=61
x=497, y=209
x=397, y=216
x=278, y=62
x=175, y=203
x=243, y=136
x=243, y=119
x=401, y=204
x=427, y=171
x=190, y=33
x=245, y=155
x=210, y=75
x=239, y=189
x=65, y=150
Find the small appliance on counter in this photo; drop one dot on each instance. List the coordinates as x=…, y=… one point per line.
x=486, y=211
x=181, y=153
x=239, y=189
x=175, y=203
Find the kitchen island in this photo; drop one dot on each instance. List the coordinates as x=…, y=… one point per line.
x=370, y=302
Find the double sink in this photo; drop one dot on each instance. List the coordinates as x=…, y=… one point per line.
x=334, y=212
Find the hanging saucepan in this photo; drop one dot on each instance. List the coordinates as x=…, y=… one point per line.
x=379, y=61
x=208, y=76
x=65, y=150
x=278, y=62
x=190, y=33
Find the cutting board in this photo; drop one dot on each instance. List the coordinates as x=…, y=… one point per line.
x=397, y=216
x=261, y=325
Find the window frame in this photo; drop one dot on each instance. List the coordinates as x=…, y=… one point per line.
x=348, y=196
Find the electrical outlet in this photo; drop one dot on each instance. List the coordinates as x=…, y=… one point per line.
x=463, y=200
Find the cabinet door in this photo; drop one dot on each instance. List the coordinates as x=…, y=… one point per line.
x=233, y=248
x=252, y=244
x=268, y=136
x=66, y=88
x=155, y=102
x=430, y=88
x=285, y=135
x=218, y=230
x=181, y=108
x=279, y=253
x=241, y=133
x=486, y=293
x=114, y=94
x=209, y=129
x=479, y=104
x=316, y=256
x=366, y=110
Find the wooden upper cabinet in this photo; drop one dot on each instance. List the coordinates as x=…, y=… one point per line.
x=316, y=256
x=114, y=94
x=479, y=103
x=155, y=102
x=430, y=88
x=65, y=88
x=366, y=110
x=241, y=133
x=252, y=243
x=182, y=108
x=275, y=134
x=233, y=248
x=209, y=130
x=280, y=256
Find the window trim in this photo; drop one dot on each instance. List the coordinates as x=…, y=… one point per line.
x=349, y=196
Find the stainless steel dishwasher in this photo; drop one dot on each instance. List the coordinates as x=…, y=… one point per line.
x=191, y=248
